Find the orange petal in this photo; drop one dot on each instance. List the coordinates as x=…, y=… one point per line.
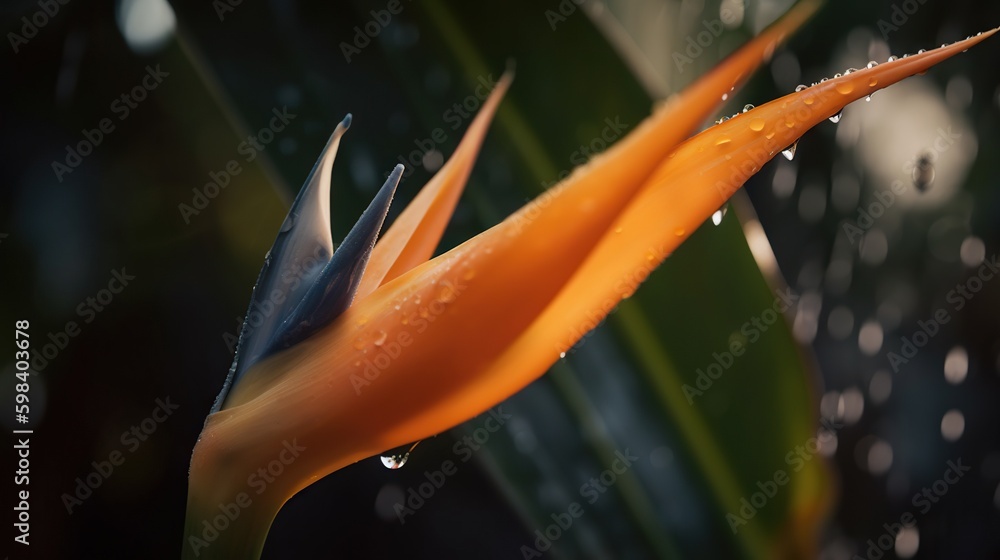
x=415, y=234
x=703, y=173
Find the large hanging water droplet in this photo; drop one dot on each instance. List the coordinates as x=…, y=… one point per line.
x=789, y=152
x=289, y=222
x=396, y=458
x=836, y=118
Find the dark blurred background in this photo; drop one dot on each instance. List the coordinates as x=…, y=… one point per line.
x=85, y=209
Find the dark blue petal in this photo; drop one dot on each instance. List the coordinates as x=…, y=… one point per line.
x=298, y=271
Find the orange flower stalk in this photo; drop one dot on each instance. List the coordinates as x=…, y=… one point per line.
x=378, y=347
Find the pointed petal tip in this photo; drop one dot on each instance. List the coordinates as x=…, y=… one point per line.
x=511, y=67
x=346, y=123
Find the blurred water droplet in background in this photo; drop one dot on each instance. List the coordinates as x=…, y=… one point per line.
x=840, y=323
x=972, y=251
x=907, y=542
x=956, y=365
x=870, y=337
x=147, y=25
x=880, y=387
x=952, y=425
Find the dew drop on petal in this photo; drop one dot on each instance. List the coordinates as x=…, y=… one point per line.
x=717, y=216
x=747, y=107
x=380, y=337
x=679, y=232
x=800, y=87
x=789, y=152
x=394, y=461
x=756, y=124
x=872, y=64
x=845, y=88
x=722, y=140
x=836, y=118
x=289, y=222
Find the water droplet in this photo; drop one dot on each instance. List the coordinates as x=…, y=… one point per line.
x=718, y=215
x=380, y=337
x=721, y=140
x=845, y=88
x=836, y=118
x=469, y=274
x=801, y=87
x=396, y=458
x=837, y=75
x=756, y=124
x=892, y=59
x=359, y=343
x=873, y=82
x=872, y=64
x=424, y=312
x=416, y=299
x=921, y=51
x=679, y=232
x=618, y=230
x=562, y=355
x=747, y=107
x=725, y=96
x=868, y=98
x=849, y=70
x=769, y=135
x=446, y=295
x=789, y=152
x=289, y=222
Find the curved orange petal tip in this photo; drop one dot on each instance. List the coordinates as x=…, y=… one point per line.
x=415, y=234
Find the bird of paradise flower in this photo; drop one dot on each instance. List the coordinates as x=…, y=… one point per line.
x=476, y=324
